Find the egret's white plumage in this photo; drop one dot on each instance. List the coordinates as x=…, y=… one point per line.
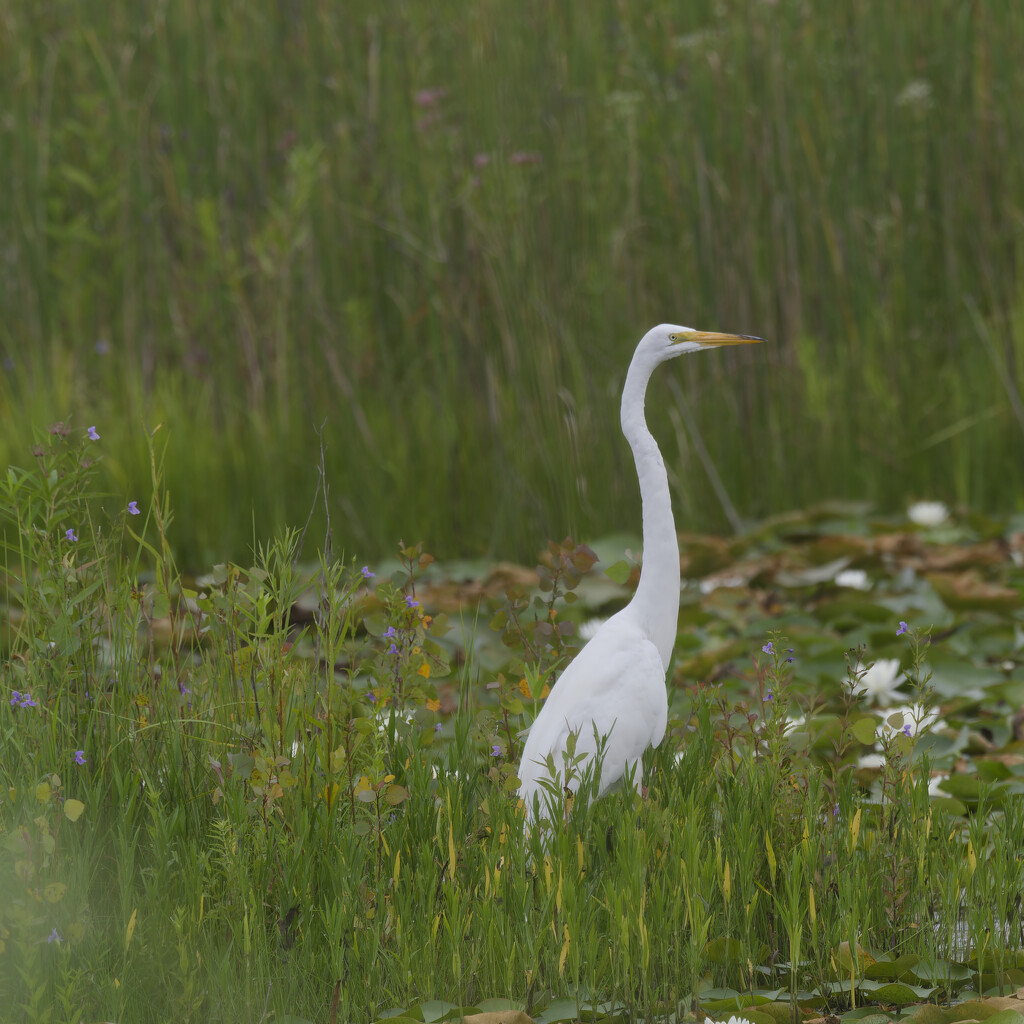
x=613, y=693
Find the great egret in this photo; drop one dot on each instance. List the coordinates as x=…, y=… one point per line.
x=612, y=696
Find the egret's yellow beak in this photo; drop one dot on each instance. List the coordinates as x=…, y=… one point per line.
x=713, y=338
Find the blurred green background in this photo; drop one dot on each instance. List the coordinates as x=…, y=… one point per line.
x=439, y=229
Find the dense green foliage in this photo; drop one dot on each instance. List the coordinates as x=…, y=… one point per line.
x=439, y=229
x=289, y=794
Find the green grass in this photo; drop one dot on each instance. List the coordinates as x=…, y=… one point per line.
x=287, y=816
x=263, y=226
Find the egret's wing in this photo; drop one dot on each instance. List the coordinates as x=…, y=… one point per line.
x=614, y=691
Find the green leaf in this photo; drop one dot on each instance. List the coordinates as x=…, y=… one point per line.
x=864, y=729
x=618, y=572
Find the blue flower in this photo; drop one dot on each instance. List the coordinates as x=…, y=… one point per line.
x=495, y=751
x=93, y=436
x=71, y=535
x=53, y=936
x=372, y=698
x=79, y=757
x=906, y=729
x=410, y=602
x=769, y=696
x=389, y=633
x=133, y=508
x=903, y=628
x=392, y=649
x=365, y=573
x=768, y=648
x=15, y=697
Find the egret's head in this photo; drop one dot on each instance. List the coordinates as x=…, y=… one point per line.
x=670, y=340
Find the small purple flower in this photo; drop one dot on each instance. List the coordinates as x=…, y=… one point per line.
x=389, y=633
x=53, y=936
x=133, y=508
x=410, y=602
x=392, y=649
x=903, y=628
x=768, y=648
x=371, y=697
x=906, y=729
x=365, y=573
x=22, y=700
x=15, y=697
x=93, y=436
x=79, y=757
x=495, y=751
x=768, y=696
x=437, y=727
x=789, y=661
x=835, y=811
x=71, y=535
x=102, y=347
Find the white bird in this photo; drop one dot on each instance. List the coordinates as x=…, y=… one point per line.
x=613, y=693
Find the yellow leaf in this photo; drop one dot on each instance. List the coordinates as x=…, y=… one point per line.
x=813, y=910
x=565, y=950
x=772, y=862
x=424, y=670
x=54, y=892
x=854, y=830
x=726, y=884
x=451, y=852
x=73, y=809
x=972, y=860
x=43, y=792
x=130, y=930
x=433, y=705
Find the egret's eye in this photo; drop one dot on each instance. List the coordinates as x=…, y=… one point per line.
x=671, y=337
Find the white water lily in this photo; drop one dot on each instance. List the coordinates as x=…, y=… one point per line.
x=928, y=513
x=856, y=579
x=882, y=680
x=731, y=1020
x=917, y=719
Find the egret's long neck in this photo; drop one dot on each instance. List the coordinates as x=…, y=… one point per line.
x=656, y=602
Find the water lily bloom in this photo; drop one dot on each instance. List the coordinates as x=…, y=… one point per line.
x=882, y=680
x=855, y=579
x=71, y=535
x=93, y=436
x=731, y=1020
x=917, y=719
x=133, y=508
x=928, y=513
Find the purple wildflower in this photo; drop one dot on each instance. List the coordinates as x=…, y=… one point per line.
x=133, y=508
x=53, y=936
x=71, y=535
x=371, y=697
x=411, y=602
x=768, y=648
x=365, y=573
x=22, y=700
x=903, y=628
x=437, y=727
x=906, y=729
x=15, y=697
x=79, y=757
x=392, y=649
x=769, y=696
x=389, y=633
x=93, y=436
x=495, y=751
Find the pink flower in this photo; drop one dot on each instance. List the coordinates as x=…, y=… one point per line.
x=522, y=156
x=428, y=98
